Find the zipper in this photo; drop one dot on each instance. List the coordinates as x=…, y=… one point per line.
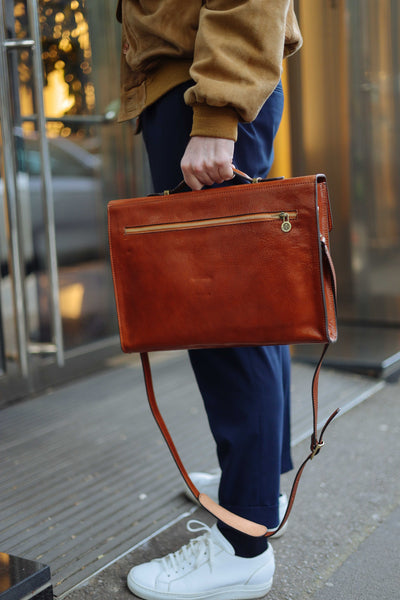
x=282, y=216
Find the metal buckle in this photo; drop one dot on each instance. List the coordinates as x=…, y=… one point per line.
x=317, y=448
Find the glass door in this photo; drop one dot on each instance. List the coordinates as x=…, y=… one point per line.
x=345, y=93
x=374, y=86
x=63, y=157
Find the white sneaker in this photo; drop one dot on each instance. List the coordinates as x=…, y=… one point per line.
x=205, y=568
x=208, y=483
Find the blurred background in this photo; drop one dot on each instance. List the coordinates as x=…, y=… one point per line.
x=64, y=156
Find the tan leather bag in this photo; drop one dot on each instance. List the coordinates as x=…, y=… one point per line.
x=242, y=265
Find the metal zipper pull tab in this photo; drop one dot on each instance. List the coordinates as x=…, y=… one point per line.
x=286, y=224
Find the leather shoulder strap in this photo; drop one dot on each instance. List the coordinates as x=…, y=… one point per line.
x=239, y=523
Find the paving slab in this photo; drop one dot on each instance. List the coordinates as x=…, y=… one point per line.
x=373, y=570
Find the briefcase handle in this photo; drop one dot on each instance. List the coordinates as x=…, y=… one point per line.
x=240, y=175
x=247, y=179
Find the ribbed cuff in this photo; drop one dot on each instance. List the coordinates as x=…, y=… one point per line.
x=215, y=121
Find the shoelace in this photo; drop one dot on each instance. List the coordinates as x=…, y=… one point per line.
x=193, y=553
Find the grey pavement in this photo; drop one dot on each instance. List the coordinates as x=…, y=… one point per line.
x=343, y=538
x=102, y=451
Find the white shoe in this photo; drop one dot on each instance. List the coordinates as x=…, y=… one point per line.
x=208, y=483
x=206, y=568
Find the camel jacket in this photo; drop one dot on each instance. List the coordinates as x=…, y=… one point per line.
x=232, y=50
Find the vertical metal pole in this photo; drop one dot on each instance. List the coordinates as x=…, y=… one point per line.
x=11, y=193
x=48, y=201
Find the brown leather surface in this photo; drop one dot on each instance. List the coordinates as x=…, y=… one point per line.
x=246, y=283
x=228, y=517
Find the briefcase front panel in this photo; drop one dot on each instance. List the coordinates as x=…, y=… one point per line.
x=232, y=266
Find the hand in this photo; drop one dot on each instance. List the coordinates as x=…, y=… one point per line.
x=207, y=160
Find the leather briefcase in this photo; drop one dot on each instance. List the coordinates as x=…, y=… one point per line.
x=240, y=265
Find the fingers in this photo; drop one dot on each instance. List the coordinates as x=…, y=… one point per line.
x=206, y=173
x=198, y=177
x=207, y=161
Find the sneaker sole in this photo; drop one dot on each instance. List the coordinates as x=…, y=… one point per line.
x=235, y=592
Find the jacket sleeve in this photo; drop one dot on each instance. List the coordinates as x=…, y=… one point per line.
x=240, y=45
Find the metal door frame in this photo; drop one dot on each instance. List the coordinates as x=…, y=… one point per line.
x=24, y=346
x=37, y=366
x=2, y=355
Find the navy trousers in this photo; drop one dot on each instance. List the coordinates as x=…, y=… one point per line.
x=246, y=391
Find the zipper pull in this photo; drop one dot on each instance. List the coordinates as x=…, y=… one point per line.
x=286, y=224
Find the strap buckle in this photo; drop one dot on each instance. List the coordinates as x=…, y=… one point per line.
x=316, y=449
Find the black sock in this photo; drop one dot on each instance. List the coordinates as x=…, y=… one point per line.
x=244, y=545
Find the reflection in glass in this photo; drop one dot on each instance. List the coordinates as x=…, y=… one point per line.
x=93, y=160
x=345, y=96
x=375, y=97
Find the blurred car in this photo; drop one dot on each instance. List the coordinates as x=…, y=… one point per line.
x=78, y=203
